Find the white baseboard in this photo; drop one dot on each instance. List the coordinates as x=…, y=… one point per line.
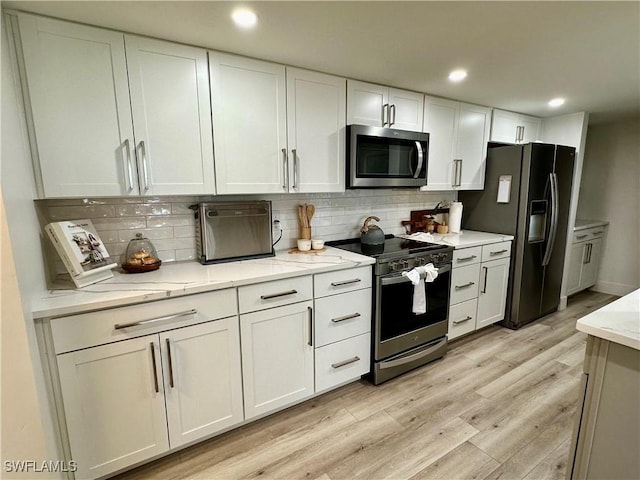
x=611, y=288
x=563, y=302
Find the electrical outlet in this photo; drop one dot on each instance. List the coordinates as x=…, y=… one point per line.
x=276, y=228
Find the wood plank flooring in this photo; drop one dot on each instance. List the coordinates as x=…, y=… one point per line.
x=499, y=405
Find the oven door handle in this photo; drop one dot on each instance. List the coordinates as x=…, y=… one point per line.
x=410, y=358
x=395, y=279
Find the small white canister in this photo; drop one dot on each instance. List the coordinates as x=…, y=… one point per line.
x=455, y=217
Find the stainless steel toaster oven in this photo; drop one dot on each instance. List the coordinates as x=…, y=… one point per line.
x=227, y=231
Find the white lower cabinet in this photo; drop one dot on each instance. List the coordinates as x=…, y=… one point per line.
x=479, y=281
x=114, y=395
x=584, y=261
x=277, y=357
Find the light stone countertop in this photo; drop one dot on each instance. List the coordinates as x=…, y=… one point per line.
x=617, y=322
x=464, y=239
x=584, y=224
x=185, y=278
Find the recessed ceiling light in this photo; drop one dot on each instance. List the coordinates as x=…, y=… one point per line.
x=244, y=18
x=556, y=102
x=458, y=75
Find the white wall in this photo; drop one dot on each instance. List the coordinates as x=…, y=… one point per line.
x=610, y=190
x=568, y=130
x=18, y=333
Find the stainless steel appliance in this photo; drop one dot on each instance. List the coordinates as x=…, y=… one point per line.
x=386, y=158
x=401, y=339
x=227, y=231
x=527, y=194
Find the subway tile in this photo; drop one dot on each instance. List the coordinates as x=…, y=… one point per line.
x=103, y=224
x=80, y=212
x=167, y=256
x=174, y=243
x=136, y=210
x=185, y=254
x=170, y=221
x=150, y=233
x=179, y=232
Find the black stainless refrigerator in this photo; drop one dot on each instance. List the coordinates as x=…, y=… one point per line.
x=527, y=194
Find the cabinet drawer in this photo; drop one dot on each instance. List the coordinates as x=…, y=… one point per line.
x=495, y=251
x=97, y=328
x=342, y=361
x=588, y=234
x=274, y=294
x=342, y=316
x=341, y=281
x=466, y=256
x=462, y=318
x=464, y=283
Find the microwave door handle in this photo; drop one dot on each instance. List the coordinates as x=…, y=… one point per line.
x=420, y=160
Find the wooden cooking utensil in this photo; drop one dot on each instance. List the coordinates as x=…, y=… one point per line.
x=310, y=211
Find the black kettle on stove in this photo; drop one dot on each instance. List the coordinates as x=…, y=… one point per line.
x=371, y=237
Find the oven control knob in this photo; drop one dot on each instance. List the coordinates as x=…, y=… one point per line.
x=404, y=264
x=420, y=261
x=393, y=266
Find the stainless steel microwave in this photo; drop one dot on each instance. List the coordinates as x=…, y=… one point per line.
x=386, y=158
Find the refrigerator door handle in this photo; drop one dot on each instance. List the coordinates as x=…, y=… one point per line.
x=553, y=179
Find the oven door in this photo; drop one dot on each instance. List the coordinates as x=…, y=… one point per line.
x=397, y=328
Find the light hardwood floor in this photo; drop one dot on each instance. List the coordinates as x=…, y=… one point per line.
x=499, y=405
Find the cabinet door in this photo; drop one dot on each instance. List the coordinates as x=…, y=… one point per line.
x=202, y=379
x=576, y=260
x=492, y=298
x=406, y=110
x=249, y=124
x=504, y=126
x=531, y=128
x=277, y=357
x=590, y=267
x=473, y=135
x=366, y=104
x=79, y=102
x=316, y=120
x=172, y=116
x=441, y=123
x=114, y=405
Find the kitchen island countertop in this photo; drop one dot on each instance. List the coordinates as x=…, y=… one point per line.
x=185, y=278
x=617, y=322
x=464, y=239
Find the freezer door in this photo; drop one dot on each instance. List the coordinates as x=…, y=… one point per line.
x=563, y=170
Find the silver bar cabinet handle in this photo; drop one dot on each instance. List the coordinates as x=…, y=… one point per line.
x=521, y=133
x=498, y=252
x=120, y=326
x=580, y=237
x=276, y=295
x=597, y=233
x=295, y=167
x=345, y=362
x=464, y=259
x=456, y=322
x=346, y=317
x=460, y=287
x=345, y=282
x=170, y=363
x=129, y=168
x=145, y=166
x=310, y=312
x=392, y=114
x=486, y=273
x=590, y=250
x=155, y=367
x=285, y=169
x=460, y=173
x=385, y=114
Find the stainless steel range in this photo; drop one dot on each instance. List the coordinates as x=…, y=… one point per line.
x=403, y=340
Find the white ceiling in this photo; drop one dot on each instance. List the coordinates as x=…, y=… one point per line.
x=518, y=54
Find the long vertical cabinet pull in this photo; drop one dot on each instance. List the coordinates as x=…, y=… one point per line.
x=294, y=152
x=145, y=166
x=170, y=363
x=155, y=367
x=484, y=285
x=285, y=169
x=392, y=115
x=127, y=146
x=385, y=114
x=310, y=312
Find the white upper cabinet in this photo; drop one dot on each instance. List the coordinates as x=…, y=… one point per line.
x=249, y=124
x=84, y=112
x=380, y=106
x=316, y=120
x=509, y=127
x=276, y=130
x=79, y=98
x=171, y=116
x=458, y=135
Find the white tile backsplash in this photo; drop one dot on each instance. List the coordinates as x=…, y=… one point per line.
x=170, y=224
